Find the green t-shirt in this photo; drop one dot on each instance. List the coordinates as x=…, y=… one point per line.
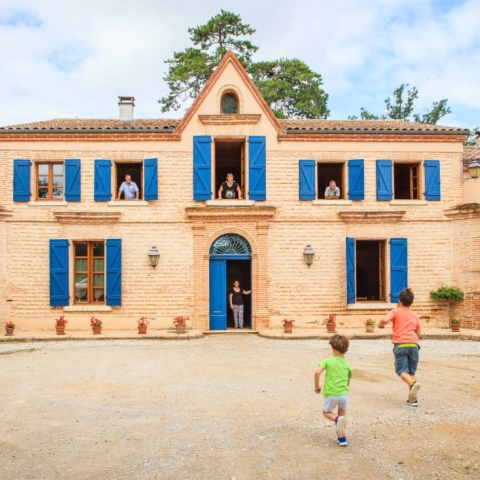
x=337, y=373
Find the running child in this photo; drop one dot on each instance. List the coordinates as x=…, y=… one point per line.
x=335, y=385
x=406, y=333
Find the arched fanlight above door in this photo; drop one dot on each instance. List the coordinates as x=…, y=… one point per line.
x=230, y=244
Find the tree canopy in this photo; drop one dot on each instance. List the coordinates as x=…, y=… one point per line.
x=289, y=86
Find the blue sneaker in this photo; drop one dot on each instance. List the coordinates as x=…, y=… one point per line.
x=342, y=441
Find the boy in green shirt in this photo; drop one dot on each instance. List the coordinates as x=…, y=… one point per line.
x=336, y=385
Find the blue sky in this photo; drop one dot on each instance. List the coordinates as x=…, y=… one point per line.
x=72, y=59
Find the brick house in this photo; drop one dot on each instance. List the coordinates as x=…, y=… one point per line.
x=68, y=247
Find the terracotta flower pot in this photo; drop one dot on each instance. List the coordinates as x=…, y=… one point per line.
x=287, y=328
x=142, y=329
x=369, y=328
x=331, y=327
x=180, y=328
x=60, y=329
x=9, y=331
x=455, y=327
x=97, y=330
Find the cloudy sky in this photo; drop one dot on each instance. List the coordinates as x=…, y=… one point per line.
x=73, y=58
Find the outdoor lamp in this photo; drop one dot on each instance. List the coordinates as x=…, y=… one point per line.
x=308, y=254
x=153, y=255
x=474, y=170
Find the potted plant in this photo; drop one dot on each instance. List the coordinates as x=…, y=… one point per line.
x=60, y=325
x=9, y=328
x=331, y=322
x=142, y=325
x=369, y=325
x=455, y=324
x=287, y=325
x=96, y=325
x=447, y=293
x=180, y=323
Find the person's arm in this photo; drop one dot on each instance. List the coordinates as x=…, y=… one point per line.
x=119, y=193
x=337, y=194
x=220, y=190
x=239, y=192
x=316, y=383
x=418, y=331
x=137, y=192
x=247, y=292
x=386, y=319
x=230, y=297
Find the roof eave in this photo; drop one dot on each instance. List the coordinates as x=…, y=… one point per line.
x=86, y=130
x=383, y=132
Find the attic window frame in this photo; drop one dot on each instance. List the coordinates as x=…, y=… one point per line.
x=234, y=95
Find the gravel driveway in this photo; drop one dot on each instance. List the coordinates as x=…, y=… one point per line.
x=226, y=407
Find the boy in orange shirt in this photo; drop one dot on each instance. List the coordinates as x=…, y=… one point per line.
x=406, y=333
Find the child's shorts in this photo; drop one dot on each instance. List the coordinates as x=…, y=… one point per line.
x=329, y=403
x=406, y=359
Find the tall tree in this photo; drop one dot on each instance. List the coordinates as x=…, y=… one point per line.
x=401, y=108
x=289, y=86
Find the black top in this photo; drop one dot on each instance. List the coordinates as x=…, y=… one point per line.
x=229, y=192
x=237, y=298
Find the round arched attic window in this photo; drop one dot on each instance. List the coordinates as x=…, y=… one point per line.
x=229, y=103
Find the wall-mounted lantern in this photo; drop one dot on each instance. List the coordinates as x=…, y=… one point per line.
x=153, y=256
x=308, y=254
x=474, y=170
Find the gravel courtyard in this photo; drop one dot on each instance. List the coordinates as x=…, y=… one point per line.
x=232, y=407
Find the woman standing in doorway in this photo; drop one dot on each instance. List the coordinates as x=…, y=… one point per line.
x=236, y=303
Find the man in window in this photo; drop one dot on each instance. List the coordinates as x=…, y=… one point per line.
x=230, y=189
x=129, y=189
x=332, y=192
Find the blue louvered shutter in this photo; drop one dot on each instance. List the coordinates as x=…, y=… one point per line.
x=350, y=270
x=257, y=160
x=384, y=180
x=306, y=180
x=202, y=165
x=21, y=180
x=432, y=180
x=356, y=179
x=59, y=273
x=150, y=169
x=114, y=272
x=398, y=267
x=72, y=180
x=103, y=175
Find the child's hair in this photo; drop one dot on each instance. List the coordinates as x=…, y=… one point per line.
x=406, y=297
x=339, y=343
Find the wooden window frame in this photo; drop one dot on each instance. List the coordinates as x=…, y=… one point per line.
x=382, y=267
x=412, y=177
x=50, y=187
x=90, y=273
x=344, y=174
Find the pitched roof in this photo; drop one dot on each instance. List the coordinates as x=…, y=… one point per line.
x=384, y=126
x=471, y=153
x=75, y=124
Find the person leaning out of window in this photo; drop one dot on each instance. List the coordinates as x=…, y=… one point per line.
x=129, y=189
x=332, y=192
x=230, y=189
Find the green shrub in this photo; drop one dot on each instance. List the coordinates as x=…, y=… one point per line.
x=447, y=293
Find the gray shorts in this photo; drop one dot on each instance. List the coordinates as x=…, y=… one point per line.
x=329, y=403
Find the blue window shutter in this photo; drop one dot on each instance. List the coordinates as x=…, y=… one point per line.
x=59, y=273
x=202, y=165
x=350, y=270
x=150, y=175
x=103, y=175
x=432, y=180
x=257, y=159
x=384, y=180
x=398, y=267
x=114, y=272
x=72, y=180
x=21, y=180
x=306, y=175
x=356, y=179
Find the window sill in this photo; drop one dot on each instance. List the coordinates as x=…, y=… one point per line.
x=128, y=203
x=230, y=203
x=87, y=308
x=48, y=203
x=331, y=202
x=408, y=202
x=371, y=306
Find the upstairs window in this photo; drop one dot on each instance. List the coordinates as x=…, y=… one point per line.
x=229, y=104
x=50, y=181
x=406, y=181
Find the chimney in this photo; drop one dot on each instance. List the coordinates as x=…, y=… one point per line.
x=126, y=105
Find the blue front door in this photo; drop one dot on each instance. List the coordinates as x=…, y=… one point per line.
x=218, y=294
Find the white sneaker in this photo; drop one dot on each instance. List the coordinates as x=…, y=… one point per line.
x=340, y=428
x=412, y=397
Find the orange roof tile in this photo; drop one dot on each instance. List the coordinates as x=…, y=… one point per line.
x=471, y=153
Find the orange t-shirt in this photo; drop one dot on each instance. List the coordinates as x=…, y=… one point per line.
x=405, y=324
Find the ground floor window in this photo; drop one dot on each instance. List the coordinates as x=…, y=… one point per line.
x=50, y=184
x=406, y=181
x=229, y=158
x=89, y=272
x=326, y=172
x=370, y=270
x=135, y=170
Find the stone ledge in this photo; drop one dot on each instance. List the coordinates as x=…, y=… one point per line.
x=230, y=203
x=87, y=308
x=371, y=306
x=128, y=203
x=39, y=203
x=331, y=202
